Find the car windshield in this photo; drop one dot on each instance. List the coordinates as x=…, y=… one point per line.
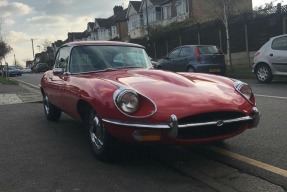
x=102, y=58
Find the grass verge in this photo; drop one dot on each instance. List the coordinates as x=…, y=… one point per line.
x=7, y=81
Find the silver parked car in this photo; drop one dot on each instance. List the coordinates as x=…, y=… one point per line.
x=271, y=59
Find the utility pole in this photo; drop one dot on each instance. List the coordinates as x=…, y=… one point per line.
x=146, y=12
x=33, y=48
x=14, y=59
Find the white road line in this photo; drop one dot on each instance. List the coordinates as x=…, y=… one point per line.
x=269, y=96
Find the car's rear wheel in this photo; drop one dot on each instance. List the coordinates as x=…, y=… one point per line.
x=190, y=69
x=263, y=73
x=52, y=112
x=100, y=139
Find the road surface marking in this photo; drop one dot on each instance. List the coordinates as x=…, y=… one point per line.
x=250, y=161
x=268, y=96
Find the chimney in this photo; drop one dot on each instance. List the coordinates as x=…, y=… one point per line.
x=118, y=9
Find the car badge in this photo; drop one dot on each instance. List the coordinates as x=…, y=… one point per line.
x=219, y=123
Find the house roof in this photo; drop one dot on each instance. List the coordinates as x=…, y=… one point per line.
x=136, y=5
x=91, y=25
x=120, y=16
x=106, y=23
x=103, y=23
x=157, y=2
x=78, y=35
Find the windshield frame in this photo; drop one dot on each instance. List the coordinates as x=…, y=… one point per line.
x=106, y=56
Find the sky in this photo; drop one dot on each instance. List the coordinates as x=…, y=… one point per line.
x=41, y=20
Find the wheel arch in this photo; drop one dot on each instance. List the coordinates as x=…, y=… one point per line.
x=82, y=108
x=260, y=64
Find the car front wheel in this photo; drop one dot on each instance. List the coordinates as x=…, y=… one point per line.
x=100, y=139
x=263, y=73
x=52, y=112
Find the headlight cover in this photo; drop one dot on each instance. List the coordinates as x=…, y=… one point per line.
x=245, y=90
x=127, y=101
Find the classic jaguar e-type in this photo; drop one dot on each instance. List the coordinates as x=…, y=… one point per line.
x=113, y=88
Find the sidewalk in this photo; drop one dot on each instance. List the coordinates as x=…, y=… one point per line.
x=22, y=93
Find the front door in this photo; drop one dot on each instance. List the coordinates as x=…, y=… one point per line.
x=278, y=54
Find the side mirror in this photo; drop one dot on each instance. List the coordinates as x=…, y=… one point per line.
x=58, y=71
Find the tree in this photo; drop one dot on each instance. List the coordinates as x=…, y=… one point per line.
x=46, y=43
x=265, y=6
x=4, y=49
x=224, y=9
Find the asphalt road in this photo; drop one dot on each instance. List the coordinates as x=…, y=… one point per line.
x=72, y=167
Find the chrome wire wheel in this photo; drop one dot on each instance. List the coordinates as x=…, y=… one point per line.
x=96, y=131
x=52, y=113
x=100, y=140
x=46, y=105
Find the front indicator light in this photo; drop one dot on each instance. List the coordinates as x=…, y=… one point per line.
x=145, y=135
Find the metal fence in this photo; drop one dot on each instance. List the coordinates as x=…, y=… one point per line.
x=248, y=32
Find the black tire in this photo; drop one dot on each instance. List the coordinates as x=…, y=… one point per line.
x=100, y=140
x=52, y=113
x=190, y=69
x=263, y=73
x=159, y=67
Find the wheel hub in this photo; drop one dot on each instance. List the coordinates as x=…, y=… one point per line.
x=96, y=132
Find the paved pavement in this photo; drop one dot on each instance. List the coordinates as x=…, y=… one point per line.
x=22, y=93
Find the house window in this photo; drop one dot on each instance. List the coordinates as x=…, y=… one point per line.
x=167, y=12
x=180, y=7
x=114, y=30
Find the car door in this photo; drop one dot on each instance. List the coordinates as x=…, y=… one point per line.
x=69, y=91
x=55, y=82
x=171, y=59
x=185, y=55
x=278, y=54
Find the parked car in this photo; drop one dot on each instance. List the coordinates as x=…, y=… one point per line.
x=26, y=70
x=271, y=59
x=120, y=98
x=41, y=67
x=12, y=70
x=194, y=58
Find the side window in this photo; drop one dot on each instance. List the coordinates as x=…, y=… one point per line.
x=185, y=52
x=280, y=43
x=62, y=58
x=174, y=54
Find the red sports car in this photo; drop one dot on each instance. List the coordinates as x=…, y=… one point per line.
x=113, y=88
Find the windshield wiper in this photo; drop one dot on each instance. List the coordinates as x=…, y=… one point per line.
x=109, y=69
x=128, y=67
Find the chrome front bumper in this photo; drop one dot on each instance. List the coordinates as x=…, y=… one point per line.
x=173, y=125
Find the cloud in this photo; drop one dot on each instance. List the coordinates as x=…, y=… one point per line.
x=47, y=21
x=14, y=9
x=17, y=37
x=9, y=21
x=80, y=8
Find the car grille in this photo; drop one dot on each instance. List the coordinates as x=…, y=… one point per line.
x=209, y=131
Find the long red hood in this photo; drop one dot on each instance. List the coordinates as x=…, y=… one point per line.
x=178, y=93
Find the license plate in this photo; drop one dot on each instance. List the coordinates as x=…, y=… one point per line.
x=214, y=70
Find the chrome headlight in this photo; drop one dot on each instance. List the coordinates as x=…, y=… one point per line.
x=245, y=90
x=127, y=101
